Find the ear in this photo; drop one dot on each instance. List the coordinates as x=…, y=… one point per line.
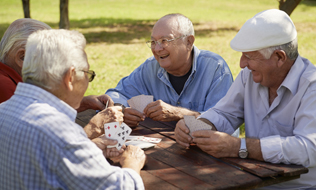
x=19, y=57
x=281, y=57
x=190, y=41
x=69, y=78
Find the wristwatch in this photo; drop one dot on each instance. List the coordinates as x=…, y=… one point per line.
x=119, y=104
x=243, y=152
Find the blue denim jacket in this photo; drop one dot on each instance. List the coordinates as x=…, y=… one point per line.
x=209, y=81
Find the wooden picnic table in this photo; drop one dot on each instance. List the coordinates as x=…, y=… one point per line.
x=170, y=166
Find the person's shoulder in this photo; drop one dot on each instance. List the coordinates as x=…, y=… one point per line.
x=209, y=56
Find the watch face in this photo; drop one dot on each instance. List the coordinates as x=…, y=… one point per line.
x=243, y=153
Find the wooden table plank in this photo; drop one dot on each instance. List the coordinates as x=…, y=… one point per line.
x=170, y=166
x=265, y=169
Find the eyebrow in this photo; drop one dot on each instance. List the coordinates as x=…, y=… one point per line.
x=246, y=55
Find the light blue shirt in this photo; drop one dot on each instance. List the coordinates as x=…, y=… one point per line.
x=208, y=82
x=43, y=148
x=286, y=129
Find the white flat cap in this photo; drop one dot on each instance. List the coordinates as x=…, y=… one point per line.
x=268, y=28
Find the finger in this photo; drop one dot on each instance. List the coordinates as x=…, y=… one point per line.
x=110, y=142
x=150, y=105
x=203, y=134
x=181, y=125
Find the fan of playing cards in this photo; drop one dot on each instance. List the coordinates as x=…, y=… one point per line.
x=122, y=132
x=140, y=102
x=195, y=124
x=117, y=132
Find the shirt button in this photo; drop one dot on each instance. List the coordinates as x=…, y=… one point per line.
x=178, y=103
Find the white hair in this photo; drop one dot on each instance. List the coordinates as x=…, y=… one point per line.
x=50, y=54
x=16, y=35
x=185, y=26
x=291, y=50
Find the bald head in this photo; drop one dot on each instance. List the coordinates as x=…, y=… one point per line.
x=176, y=22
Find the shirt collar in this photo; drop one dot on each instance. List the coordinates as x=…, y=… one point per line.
x=291, y=80
x=43, y=96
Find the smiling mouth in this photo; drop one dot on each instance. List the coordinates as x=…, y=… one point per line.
x=163, y=57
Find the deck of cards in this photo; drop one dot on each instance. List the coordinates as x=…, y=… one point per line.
x=118, y=132
x=195, y=125
x=140, y=102
x=142, y=141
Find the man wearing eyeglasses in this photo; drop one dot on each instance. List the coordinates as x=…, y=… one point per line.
x=183, y=79
x=41, y=145
x=12, y=49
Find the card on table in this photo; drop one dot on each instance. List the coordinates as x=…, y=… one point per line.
x=195, y=125
x=140, y=102
x=142, y=141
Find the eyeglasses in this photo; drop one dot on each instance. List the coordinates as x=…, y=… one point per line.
x=91, y=74
x=161, y=42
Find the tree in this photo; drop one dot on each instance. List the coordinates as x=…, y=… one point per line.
x=63, y=7
x=288, y=6
x=64, y=18
x=26, y=8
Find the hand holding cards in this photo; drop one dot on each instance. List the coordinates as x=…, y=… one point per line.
x=117, y=132
x=194, y=124
x=140, y=102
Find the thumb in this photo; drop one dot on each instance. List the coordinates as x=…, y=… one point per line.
x=111, y=142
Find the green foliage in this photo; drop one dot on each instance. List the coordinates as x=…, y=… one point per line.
x=116, y=30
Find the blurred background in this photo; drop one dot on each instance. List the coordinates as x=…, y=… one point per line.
x=116, y=30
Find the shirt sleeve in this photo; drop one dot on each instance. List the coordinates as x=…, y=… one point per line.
x=83, y=166
x=299, y=148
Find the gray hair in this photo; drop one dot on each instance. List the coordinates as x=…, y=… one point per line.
x=50, y=54
x=291, y=50
x=16, y=35
x=185, y=26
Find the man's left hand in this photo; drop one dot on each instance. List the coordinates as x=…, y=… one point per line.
x=102, y=142
x=95, y=102
x=161, y=111
x=217, y=144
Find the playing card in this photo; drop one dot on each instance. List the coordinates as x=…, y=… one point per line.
x=140, y=144
x=122, y=135
x=195, y=125
x=110, y=130
x=140, y=102
x=132, y=137
x=147, y=139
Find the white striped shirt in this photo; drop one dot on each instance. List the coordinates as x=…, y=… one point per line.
x=41, y=147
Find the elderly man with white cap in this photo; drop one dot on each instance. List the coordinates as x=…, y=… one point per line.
x=274, y=95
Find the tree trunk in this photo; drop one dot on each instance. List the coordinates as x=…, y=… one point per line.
x=26, y=8
x=64, y=19
x=288, y=6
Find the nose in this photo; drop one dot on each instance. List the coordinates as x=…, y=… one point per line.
x=158, y=47
x=243, y=62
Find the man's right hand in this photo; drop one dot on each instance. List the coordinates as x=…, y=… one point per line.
x=181, y=133
x=132, y=117
x=134, y=158
x=95, y=127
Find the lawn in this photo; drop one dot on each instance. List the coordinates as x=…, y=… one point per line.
x=116, y=30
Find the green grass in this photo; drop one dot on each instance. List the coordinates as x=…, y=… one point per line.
x=116, y=30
